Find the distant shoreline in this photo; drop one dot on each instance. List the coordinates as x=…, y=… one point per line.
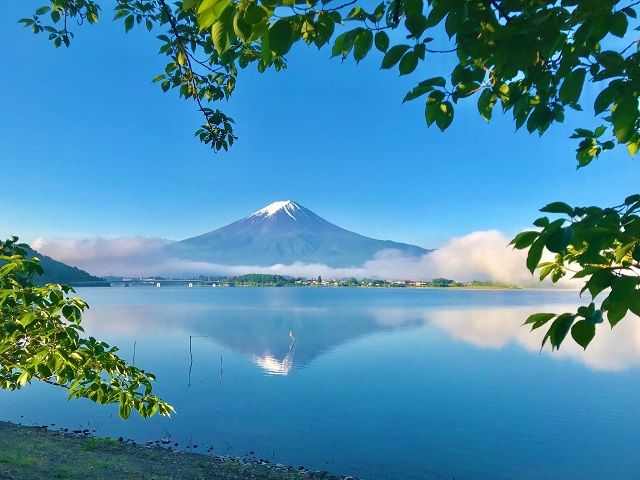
x=269, y=280
x=183, y=284
x=34, y=453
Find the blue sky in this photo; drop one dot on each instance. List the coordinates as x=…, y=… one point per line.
x=89, y=147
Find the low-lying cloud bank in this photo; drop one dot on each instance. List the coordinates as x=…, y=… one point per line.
x=482, y=255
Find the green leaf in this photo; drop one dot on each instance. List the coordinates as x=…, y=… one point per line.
x=535, y=254
x=560, y=328
x=583, y=332
x=362, y=45
x=416, y=25
x=213, y=12
x=125, y=409
x=325, y=28
x=595, y=317
x=255, y=14
x=616, y=312
x=413, y=8
x=572, y=86
x=394, y=55
x=444, y=116
x=599, y=281
x=486, y=102
x=416, y=92
x=558, y=207
x=631, y=199
x=431, y=110
x=538, y=319
x=27, y=318
x=623, y=250
x=559, y=239
x=524, y=239
x=281, y=36
x=382, y=41
x=618, y=24
x=189, y=4
x=42, y=10
x=128, y=23
x=437, y=14
x=23, y=379
x=241, y=28
x=220, y=37
x=181, y=58
x=408, y=63
x=604, y=99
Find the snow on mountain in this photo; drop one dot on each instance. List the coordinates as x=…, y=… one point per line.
x=286, y=206
x=284, y=232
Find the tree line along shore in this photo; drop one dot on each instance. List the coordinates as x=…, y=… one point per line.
x=270, y=280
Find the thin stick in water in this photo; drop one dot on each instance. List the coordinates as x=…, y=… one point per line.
x=191, y=361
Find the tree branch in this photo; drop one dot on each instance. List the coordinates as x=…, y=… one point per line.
x=441, y=51
x=181, y=43
x=348, y=4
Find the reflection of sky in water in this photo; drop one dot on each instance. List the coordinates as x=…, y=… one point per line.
x=381, y=383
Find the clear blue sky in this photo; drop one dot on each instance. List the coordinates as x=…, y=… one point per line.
x=89, y=147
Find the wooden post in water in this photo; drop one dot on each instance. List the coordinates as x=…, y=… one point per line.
x=134, y=353
x=190, y=361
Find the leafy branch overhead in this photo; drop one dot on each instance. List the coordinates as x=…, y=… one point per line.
x=533, y=59
x=599, y=244
x=561, y=45
x=40, y=339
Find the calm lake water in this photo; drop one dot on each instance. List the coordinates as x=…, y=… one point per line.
x=398, y=384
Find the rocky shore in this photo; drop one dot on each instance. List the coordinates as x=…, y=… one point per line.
x=35, y=453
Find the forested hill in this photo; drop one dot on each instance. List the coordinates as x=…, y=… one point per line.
x=58, y=272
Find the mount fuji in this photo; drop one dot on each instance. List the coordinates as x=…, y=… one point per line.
x=285, y=233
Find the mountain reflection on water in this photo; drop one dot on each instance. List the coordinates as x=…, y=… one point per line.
x=281, y=338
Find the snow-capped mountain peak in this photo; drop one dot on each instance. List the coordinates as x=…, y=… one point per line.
x=287, y=207
x=284, y=233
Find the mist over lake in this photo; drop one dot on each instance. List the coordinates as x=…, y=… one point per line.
x=379, y=383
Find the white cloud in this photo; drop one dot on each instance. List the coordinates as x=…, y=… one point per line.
x=103, y=256
x=483, y=255
x=494, y=328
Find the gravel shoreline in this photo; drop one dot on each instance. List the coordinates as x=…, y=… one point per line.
x=34, y=453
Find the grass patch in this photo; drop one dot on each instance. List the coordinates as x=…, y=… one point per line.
x=62, y=473
x=93, y=443
x=16, y=460
x=101, y=465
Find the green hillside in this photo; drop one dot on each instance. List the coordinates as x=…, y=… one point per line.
x=58, y=272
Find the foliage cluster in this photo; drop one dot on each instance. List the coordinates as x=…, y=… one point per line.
x=599, y=244
x=40, y=338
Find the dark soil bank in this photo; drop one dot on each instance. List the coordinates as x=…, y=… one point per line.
x=32, y=453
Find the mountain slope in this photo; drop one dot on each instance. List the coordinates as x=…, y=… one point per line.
x=58, y=272
x=285, y=233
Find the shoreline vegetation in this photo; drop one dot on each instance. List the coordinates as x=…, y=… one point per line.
x=268, y=280
x=36, y=453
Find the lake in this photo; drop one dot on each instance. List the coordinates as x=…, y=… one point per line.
x=379, y=383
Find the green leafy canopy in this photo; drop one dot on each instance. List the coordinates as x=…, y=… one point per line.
x=561, y=45
x=41, y=339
